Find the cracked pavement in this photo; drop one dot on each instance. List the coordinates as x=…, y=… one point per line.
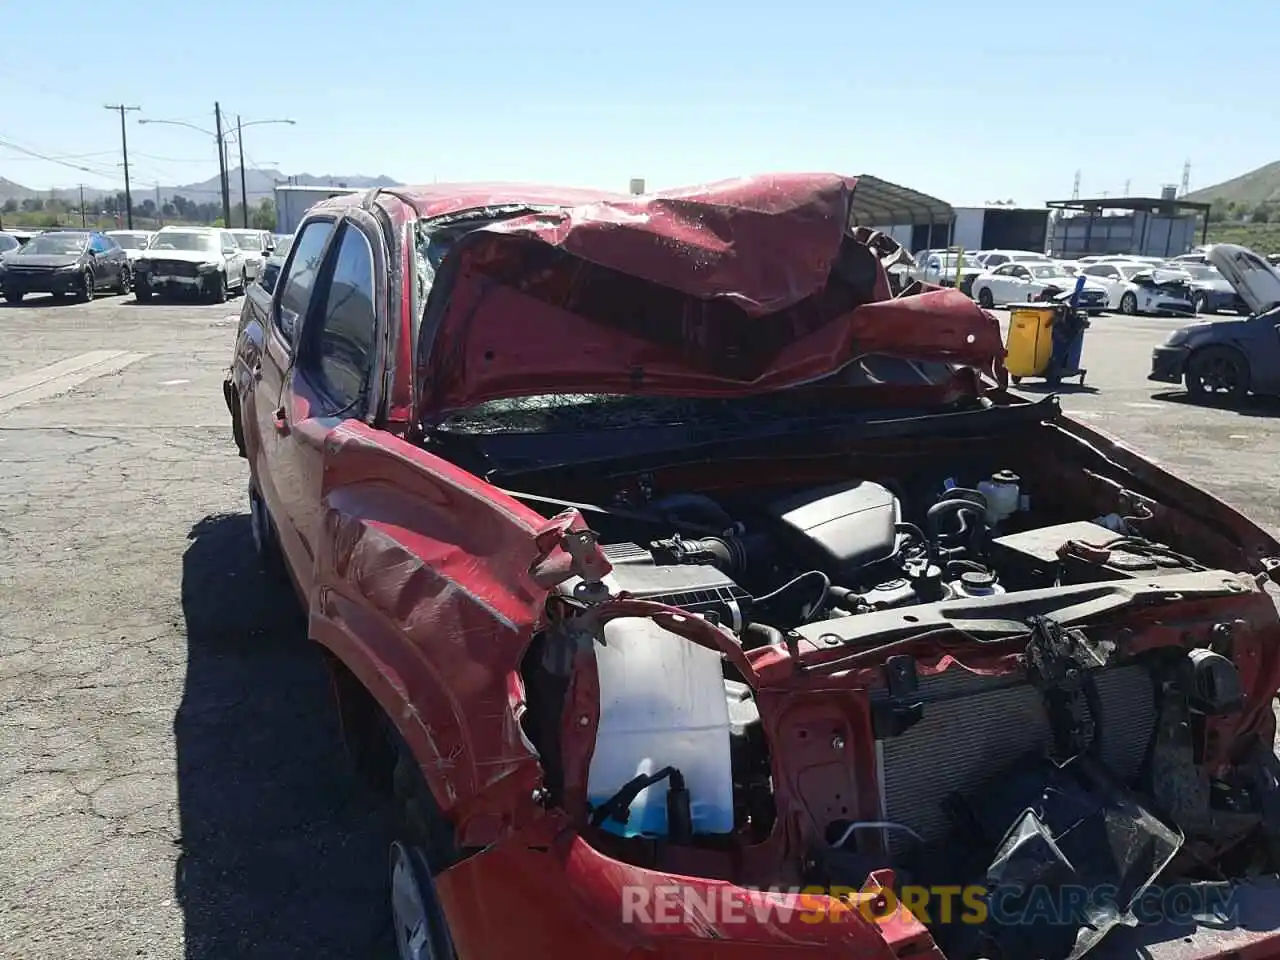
x=170, y=781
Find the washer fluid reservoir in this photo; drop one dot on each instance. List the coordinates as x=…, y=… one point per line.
x=662, y=704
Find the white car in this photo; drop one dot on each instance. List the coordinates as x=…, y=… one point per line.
x=256, y=245
x=1016, y=282
x=133, y=242
x=990, y=259
x=1135, y=287
x=205, y=261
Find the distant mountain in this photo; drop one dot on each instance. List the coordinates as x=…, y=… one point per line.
x=258, y=183
x=1247, y=190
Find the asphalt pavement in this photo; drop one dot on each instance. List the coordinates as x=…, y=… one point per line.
x=170, y=779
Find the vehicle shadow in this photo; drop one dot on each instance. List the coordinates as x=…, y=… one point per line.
x=1251, y=406
x=281, y=854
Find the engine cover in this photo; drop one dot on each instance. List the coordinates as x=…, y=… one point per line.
x=697, y=587
x=843, y=527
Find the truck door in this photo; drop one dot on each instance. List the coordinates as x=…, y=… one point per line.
x=329, y=381
x=269, y=440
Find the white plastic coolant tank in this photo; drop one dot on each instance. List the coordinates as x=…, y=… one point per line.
x=662, y=704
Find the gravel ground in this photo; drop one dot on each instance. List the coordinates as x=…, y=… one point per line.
x=170, y=783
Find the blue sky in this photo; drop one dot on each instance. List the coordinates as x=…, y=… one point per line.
x=972, y=102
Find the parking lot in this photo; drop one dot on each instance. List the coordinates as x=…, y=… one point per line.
x=171, y=783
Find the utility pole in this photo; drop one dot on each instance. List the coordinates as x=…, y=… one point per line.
x=124, y=146
x=244, y=192
x=83, y=221
x=222, y=167
x=159, y=206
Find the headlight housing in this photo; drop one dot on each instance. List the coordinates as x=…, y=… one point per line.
x=1178, y=337
x=69, y=268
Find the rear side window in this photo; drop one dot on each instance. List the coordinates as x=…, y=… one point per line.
x=342, y=353
x=300, y=280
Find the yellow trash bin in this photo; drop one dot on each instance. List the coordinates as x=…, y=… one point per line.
x=1029, y=345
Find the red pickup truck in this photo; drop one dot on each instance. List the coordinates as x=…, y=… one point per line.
x=692, y=595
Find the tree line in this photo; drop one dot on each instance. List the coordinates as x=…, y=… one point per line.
x=107, y=212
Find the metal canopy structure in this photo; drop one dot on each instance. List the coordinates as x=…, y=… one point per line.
x=1149, y=205
x=879, y=203
x=1144, y=204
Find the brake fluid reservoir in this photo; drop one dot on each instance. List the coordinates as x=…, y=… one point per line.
x=662, y=704
x=1004, y=495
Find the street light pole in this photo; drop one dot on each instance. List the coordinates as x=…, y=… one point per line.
x=124, y=146
x=222, y=167
x=244, y=190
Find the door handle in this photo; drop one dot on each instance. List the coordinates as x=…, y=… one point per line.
x=280, y=421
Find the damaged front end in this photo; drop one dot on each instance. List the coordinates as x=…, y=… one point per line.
x=1076, y=762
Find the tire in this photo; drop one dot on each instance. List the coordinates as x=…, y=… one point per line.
x=85, y=293
x=13, y=296
x=422, y=848
x=1129, y=304
x=217, y=288
x=125, y=283
x=142, y=293
x=266, y=542
x=1200, y=303
x=1217, y=373
x=985, y=299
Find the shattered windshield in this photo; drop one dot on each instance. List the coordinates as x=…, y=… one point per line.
x=586, y=412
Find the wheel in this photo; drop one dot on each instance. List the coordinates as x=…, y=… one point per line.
x=1129, y=303
x=422, y=847
x=985, y=299
x=13, y=296
x=217, y=288
x=266, y=543
x=125, y=283
x=1218, y=373
x=142, y=293
x=1200, y=303
x=85, y=293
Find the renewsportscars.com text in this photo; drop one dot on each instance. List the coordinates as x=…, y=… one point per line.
x=675, y=903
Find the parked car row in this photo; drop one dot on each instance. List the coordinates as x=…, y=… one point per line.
x=208, y=262
x=1185, y=285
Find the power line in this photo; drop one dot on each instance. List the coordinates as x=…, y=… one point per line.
x=83, y=168
x=124, y=146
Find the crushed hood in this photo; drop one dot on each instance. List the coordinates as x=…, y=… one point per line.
x=729, y=289
x=1255, y=280
x=189, y=256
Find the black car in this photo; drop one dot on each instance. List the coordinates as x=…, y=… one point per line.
x=62, y=262
x=1228, y=359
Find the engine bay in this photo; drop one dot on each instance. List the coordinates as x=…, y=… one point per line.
x=944, y=776
x=796, y=557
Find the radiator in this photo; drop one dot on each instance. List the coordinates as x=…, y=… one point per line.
x=974, y=726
